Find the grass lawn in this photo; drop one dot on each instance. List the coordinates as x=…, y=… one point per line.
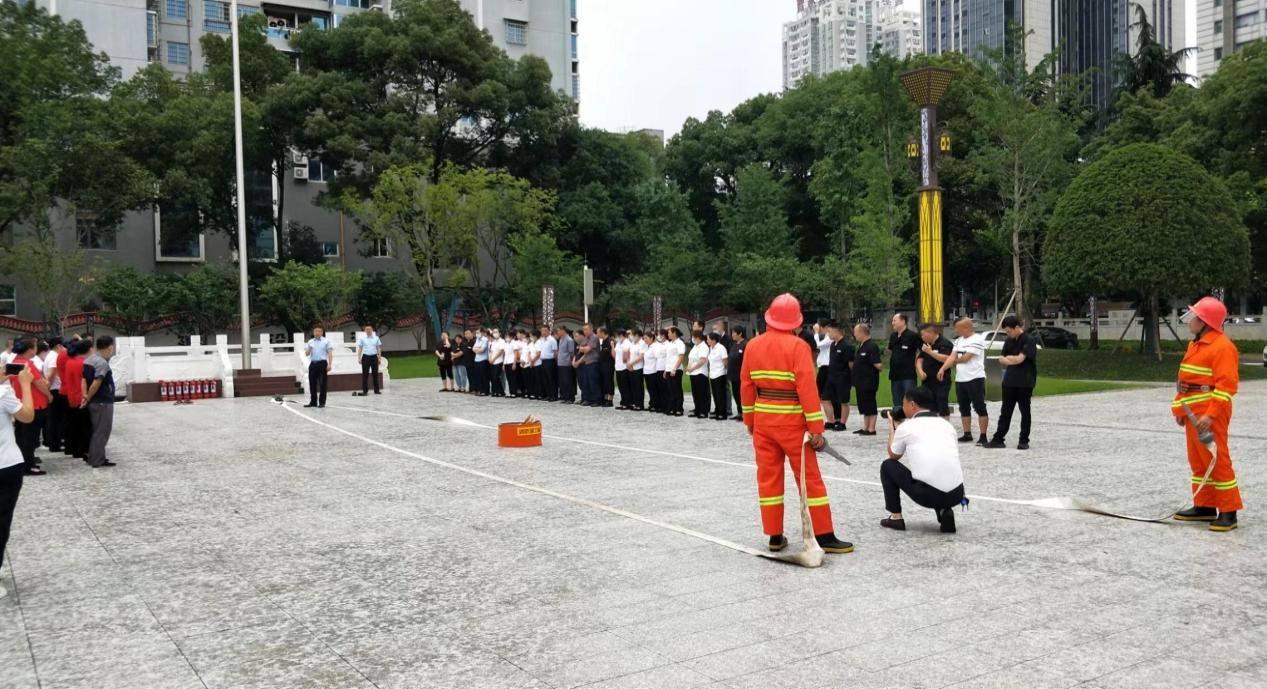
x=1108, y=365
x=424, y=366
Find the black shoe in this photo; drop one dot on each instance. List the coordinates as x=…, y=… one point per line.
x=777, y=543
x=982, y=441
x=1225, y=522
x=895, y=524
x=1197, y=514
x=309, y=406
x=860, y=431
x=1022, y=445
x=378, y=392
x=965, y=438
x=995, y=444
x=830, y=544
x=868, y=433
x=946, y=517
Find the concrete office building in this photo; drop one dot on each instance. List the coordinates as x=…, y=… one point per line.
x=135, y=33
x=832, y=35
x=1226, y=26
x=976, y=27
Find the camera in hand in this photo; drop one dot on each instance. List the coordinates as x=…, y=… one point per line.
x=13, y=369
x=896, y=415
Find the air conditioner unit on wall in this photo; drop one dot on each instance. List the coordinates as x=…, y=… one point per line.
x=298, y=158
x=301, y=174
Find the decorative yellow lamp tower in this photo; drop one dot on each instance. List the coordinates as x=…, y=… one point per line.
x=926, y=86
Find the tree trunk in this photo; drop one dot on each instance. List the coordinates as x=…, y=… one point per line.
x=1018, y=284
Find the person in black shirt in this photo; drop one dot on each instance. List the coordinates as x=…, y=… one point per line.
x=934, y=351
x=904, y=346
x=444, y=356
x=1020, y=354
x=865, y=376
x=606, y=366
x=734, y=365
x=838, y=379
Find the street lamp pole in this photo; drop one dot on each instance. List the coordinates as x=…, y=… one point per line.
x=926, y=86
x=243, y=294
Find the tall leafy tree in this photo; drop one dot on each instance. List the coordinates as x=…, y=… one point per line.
x=300, y=297
x=1147, y=220
x=205, y=300
x=1153, y=67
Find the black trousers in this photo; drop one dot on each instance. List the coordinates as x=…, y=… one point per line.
x=653, y=390
x=735, y=392
x=971, y=396
x=10, y=486
x=941, y=396
x=674, y=392
x=721, y=401
x=701, y=394
x=1013, y=398
x=78, y=432
x=369, y=371
x=549, y=380
x=896, y=479
x=567, y=382
x=637, y=397
x=55, y=422
x=591, y=388
x=27, y=436
x=606, y=379
x=479, y=380
x=317, y=375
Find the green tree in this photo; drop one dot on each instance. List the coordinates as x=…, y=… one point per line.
x=421, y=83
x=131, y=298
x=1147, y=220
x=300, y=297
x=878, y=263
x=55, y=138
x=62, y=279
x=385, y=298
x=755, y=222
x=205, y=300
x=1153, y=66
x=537, y=261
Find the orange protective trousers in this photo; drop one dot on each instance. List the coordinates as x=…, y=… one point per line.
x=773, y=444
x=1222, y=492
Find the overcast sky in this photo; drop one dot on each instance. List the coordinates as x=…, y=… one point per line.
x=653, y=63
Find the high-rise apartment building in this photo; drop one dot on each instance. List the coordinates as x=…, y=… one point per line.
x=977, y=27
x=1091, y=35
x=832, y=35
x=134, y=33
x=1224, y=27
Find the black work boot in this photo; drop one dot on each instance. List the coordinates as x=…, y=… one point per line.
x=965, y=438
x=983, y=441
x=777, y=543
x=946, y=517
x=1197, y=514
x=830, y=544
x=1225, y=522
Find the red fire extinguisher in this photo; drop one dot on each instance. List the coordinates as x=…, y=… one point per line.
x=184, y=389
x=215, y=388
x=204, y=390
x=162, y=391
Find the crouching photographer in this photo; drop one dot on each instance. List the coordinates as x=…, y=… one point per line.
x=923, y=462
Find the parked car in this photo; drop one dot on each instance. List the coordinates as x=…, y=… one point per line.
x=1056, y=338
x=994, y=340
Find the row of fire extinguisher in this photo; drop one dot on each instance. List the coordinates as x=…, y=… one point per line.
x=197, y=389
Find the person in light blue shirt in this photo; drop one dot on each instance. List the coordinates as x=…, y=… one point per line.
x=479, y=372
x=320, y=358
x=369, y=354
x=549, y=365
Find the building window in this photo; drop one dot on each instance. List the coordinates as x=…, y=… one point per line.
x=576, y=87
x=516, y=32
x=1248, y=19
x=177, y=9
x=573, y=9
x=330, y=249
x=319, y=171
x=8, y=300
x=151, y=29
x=1218, y=3
x=382, y=248
x=1218, y=54
x=216, y=15
x=92, y=235
x=177, y=53
x=362, y=4
x=1218, y=26
x=573, y=46
x=177, y=235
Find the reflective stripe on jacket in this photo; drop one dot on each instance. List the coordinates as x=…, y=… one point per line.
x=782, y=364
x=1208, y=376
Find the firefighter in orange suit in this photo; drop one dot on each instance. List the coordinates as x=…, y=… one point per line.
x=780, y=403
x=1208, y=378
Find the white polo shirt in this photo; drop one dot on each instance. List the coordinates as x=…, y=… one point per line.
x=674, y=349
x=824, y=349
x=929, y=446
x=496, y=352
x=534, y=353
x=653, y=358
x=698, y=353
x=10, y=455
x=717, y=361
x=50, y=365
x=637, y=350
x=622, y=348
x=974, y=368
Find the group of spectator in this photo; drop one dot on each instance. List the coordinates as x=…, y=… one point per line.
x=58, y=395
x=627, y=369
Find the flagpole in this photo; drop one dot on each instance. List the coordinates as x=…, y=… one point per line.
x=243, y=294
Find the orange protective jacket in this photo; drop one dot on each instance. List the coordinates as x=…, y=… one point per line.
x=1208, y=377
x=777, y=388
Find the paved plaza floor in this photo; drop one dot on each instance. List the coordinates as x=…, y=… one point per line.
x=237, y=544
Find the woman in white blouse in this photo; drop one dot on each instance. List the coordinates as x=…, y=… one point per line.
x=717, y=356
x=697, y=368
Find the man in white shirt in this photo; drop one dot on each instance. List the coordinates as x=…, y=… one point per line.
x=968, y=361
x=369, y=354
x=923, y=463
x=55, y=418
